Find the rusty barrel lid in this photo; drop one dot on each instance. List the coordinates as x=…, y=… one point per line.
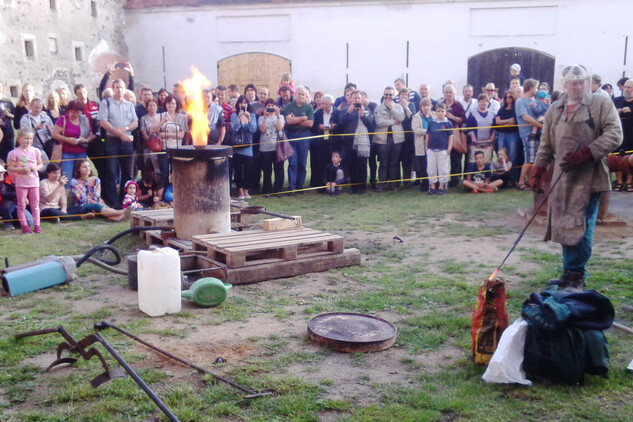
x=352, y=332
x=201, y=152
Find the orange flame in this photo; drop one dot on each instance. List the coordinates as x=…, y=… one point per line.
x=492, y=276
x=195, y=106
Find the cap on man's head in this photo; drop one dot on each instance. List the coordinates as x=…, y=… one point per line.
x=516, y=67
x=574, y=72
x=490, y=86
x=541, y=94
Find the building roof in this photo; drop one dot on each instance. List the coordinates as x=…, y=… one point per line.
x=146, y=4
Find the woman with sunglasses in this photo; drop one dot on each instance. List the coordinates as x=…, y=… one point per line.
x=508, y=134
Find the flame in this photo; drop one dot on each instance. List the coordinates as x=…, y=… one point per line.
x=492, y=276
x=195, y=106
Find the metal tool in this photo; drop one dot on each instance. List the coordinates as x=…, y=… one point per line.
x=262, y=210
x=251, y=393
x=72, y=346
x=516, y=242
x=80, y=347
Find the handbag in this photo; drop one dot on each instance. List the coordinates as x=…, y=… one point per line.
x=154, y=143
x=459, y=143
x=56, y=154
x=283, y=149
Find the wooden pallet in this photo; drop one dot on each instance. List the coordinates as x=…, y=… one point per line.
x=165, y=218
x=308, y=263
x=255, y=247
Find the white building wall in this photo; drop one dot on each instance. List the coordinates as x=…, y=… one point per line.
x=442, y=36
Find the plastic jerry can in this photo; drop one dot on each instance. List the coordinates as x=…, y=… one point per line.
x=159, y=281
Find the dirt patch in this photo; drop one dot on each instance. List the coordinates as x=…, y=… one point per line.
x=354, y=378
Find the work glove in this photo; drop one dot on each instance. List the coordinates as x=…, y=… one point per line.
x=534, y=179
x=618, y=163
x=576, y=159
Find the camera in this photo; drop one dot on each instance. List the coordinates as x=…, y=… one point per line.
x=357, y=105
x=270, y=109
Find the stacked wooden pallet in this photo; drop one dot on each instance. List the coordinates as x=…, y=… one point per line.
x=258, y=255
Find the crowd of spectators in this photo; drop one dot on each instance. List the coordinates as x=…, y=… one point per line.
x=480, y=140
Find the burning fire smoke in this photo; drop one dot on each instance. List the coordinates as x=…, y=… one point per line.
x=195, y=106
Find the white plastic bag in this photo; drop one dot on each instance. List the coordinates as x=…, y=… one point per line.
x=506, y=364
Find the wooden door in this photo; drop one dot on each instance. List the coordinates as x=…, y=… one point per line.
x=494, y=66
x=259, y=69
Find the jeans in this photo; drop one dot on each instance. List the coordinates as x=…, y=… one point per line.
x=575, y=257
x=420, y=171
x=56, y=212
x=357, y=170
x=114, y=149
x=456, y=168
x=163, y=165
x=268, y=164
x=9, y=211
x=510, y=141
x=297, y=163
x=68, y=164
x=84, y=209
x=389, y=158
x=243, y=168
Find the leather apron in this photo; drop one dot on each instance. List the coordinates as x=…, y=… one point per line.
x=568, y=201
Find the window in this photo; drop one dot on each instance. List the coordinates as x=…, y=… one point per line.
x=29, y=48
x=52, y=45
x=13, y=89
x=78, y=51
x=93, y=8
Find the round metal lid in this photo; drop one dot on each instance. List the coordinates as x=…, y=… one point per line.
x=352, y=332
x=202, y=152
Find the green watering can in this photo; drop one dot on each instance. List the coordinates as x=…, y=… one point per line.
x=207, y=292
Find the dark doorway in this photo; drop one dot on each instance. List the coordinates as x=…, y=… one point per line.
x=494, y=66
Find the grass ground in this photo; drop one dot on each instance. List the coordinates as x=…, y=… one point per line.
x=423, y=259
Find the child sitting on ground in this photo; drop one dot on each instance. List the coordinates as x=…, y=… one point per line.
x=478, y=177
x=501, y=169
x=334, y=175
x=439, y=143
x=130, y=199
x=150, y=190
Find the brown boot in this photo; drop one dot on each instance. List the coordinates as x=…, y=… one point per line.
x=571, y=279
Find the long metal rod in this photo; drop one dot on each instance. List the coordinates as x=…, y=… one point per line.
x=138, y=379
x=252, y=393
x=551, y=188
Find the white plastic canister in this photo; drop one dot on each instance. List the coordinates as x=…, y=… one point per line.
x=159, y=281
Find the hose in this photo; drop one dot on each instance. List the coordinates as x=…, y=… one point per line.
x=107, y=246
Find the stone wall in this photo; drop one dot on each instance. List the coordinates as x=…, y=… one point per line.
x=50, y=43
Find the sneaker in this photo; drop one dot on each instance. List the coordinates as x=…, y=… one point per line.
x=247, y=196
x=37, y=229
x=474, y=191
x=8, y=226
x=26, y=230
x=54, y=220
x=431, y=192
x=440, y=192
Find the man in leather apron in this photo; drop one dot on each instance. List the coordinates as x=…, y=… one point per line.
x=579, y=131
